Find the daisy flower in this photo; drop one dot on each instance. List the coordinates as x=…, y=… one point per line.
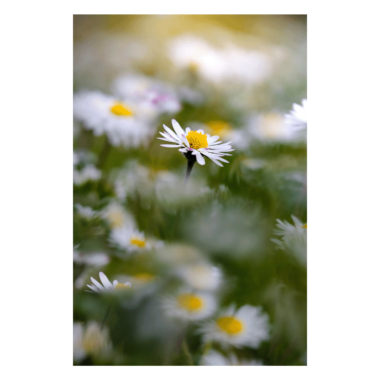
x=201, y=276
x=129, y=238
x=214, y=358
x=86, y=212
x=91, y=259
x=189, y=306
x=293, y=237
x=107, y=286
x=115, y=215
x=196, y=142
x=298, y=115
x=88, y=173
x=247, y=326
x=90, y=339
x=125, y=123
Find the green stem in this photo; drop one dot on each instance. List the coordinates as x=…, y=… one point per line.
x=191, y=160
x=104, y=154
x=105, y=317
x=185, y=348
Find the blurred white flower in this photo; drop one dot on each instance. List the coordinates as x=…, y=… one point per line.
x=92, y=259
x=174, y=255
x=83, y=157
x=214, y=358
x=201, y=276
x=189, y=306
x=87, y=173
x=152, y=93
x=247, y=326
x=129, y=238
x=125, y=123
x=230, y=63
x=116, y=215
x=271, y=127
x=293, y=238
x=298, y=115
x=86, y=212
x=107, y=286
x=188, y=52
x=166, y=186
x=90, y=340
x=144, y=284
x=197, y=142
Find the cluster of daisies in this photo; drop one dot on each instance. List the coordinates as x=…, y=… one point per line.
x=128, y=119
x=230, y=328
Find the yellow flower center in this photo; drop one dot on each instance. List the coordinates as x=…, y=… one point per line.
x=120, y=109
x=115, y=218
x=144, y=277
x=190, y=302
x=230, y=325
x=121, y=286
x=140, y=243
x=305, y=226
x=197, y=140
x=219, y=127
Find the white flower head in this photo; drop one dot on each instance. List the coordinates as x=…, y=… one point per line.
x=107, y=286
x=247, y=326
x=116, y=215
x=298, y=115
x=91, y=259
x=90, y=340
x=125, y=123
x=229, y=64
x=88, y=173
x=214, y=358
x=189, y=306
x=196, y=142
x=200, y=276
x=86, y=212
x=130, y=239
x=293, y=238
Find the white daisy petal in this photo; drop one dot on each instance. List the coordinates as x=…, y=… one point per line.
x=94, y=288
x=212, y=139
x=160, y=138
x=97, y=284
x=171, y=133
x=180, y=132
x=184, y=139
x=200, y=159
x=105, y=281
x=170, y=146
x=167, y=136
